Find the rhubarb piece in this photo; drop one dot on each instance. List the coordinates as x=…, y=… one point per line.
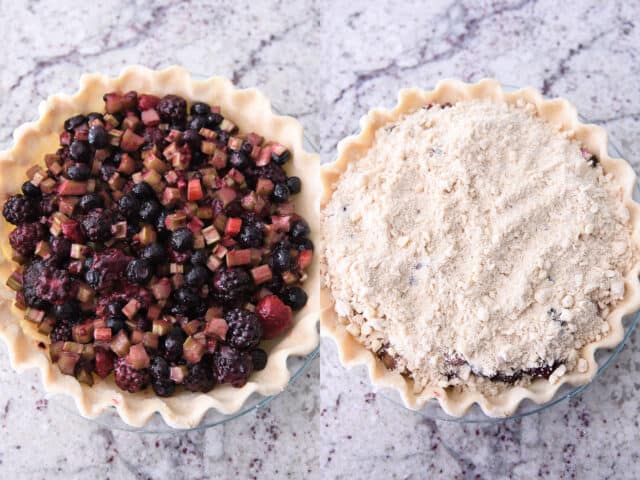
x=120, y=344
x=211, y=235
x=193, y=350
x=14, y=282
x=131, y=142
x=304, y=259
x=232, y=227
x=216, y=328
x=194, y=190
x=67, y=362
x=238, y=257
x=72, y=187
x=261, y=274
x=83, y=333
x=131, y=308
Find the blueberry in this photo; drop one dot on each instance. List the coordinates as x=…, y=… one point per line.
x=80, y=151
x=187, y=299
x=223, y=137
x=295, y=297
x=155, y=253
x=129, y=206
x=72, y=122
x=172, y=345
x=281, y=259
x=299, y=230
x=30, y=190
x=91, y=201
x=199, y=257
x=259, y=359
x=200, y=108
x=140, y=270
x=182, y=239
x=115, y=307
x=79, y=171
x=159, y=368
x=282, y=158
x=280, y=193
x=106, y=172
x=197, y=123
x=239, y=160
x=304, y=244
x=67, y=311
x=92, y=277
x=246, y=148
x=192, y=138
x=294, y=185
x=251, y=235
x=143, y=191
x=98, y=137
x=116, y=323
x=197, y=276
x=163, y=388
x=150, y=211
x=95, y=116
x=213, y=120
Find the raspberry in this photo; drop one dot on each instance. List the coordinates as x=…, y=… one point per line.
x=97, y=224
x=245, y=329
x=25, y=237
x=172, y=109
x=232, y=366
x=276, y=317
x=200, y=376
x=130, y=379
x=19, y=209
x=232, y=286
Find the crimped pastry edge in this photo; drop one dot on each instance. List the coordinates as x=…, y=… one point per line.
x=556, y=111
x=251, y=111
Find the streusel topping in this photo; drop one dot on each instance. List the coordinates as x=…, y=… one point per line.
x=476, y=241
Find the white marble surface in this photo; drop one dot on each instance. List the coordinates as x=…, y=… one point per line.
x=46, y=47
x=584, y=51
x=327, y=63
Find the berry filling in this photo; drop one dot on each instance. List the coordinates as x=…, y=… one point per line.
x=159, y=244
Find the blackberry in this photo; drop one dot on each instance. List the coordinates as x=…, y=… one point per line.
x=80, y=151
x=150, y=211
x=23, y=238
x=232, y=366
x=200, y=377
x=197, y=276
x=61, y=331
x=67, y=311
x=245, y=329
x=295, y=297
x=294, y=184
x=172, y=345
x=47, y=204
x=299, y=230
x=90, y=201
x=98, y=137
x=97, y=224
x=140, y=270
x=72, y=122
x=172, y=109
x=259, y=359
x=239, y=160
x=106, y=172
x=271, y=171
x=182, y=239
x=30, y=190
x=251, y=235
x=154, y=252
x=143, y=191
x=200, y=108
x=60, y=248
x=154, y=136
x=107, y=269
x=129, y=206
x=79, y=171
x=43, y=283
x=130, y=379
x=232, y=285
x=20, y=209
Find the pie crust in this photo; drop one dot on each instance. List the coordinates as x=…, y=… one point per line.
x=251, y=111
x=558, y=112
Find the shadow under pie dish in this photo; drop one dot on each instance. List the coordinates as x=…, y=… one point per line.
x=163, y=246
x=505, y=251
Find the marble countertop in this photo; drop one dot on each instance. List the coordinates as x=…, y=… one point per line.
x=327, y=64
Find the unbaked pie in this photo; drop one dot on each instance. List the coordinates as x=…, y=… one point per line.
x=161, y=245
x=478, y=246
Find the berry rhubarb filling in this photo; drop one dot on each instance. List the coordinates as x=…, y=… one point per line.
x=161, y=244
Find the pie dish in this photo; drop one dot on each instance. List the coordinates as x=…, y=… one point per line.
x=166, y=256
x=479, y=247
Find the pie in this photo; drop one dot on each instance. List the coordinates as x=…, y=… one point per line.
x=158, y=236
x=478, y=247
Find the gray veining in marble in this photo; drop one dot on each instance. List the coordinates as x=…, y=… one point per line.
x=327, y=63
